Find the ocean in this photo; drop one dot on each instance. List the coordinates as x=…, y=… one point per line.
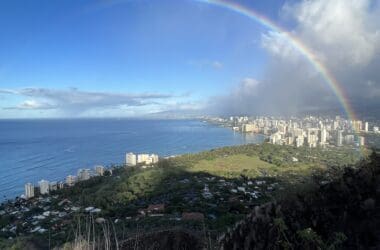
x=31, y=150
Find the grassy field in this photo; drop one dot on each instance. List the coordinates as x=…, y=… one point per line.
x=251, y=166
x=233, y=166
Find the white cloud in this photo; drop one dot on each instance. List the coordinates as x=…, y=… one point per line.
x=74, y=101
x=33, y=104
x=247, y=85
x=277, y=44
x=342, y=30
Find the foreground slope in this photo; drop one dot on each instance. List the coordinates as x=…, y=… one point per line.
x=343, y=214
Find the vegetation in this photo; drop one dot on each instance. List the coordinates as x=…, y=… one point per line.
x=342, y=214
x=251, y=161
x=238, y=179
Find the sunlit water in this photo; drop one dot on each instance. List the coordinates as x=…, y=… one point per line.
x=31, y=150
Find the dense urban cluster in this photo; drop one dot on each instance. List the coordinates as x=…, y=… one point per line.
x=132, y=159
x=308, y=131
x=40, y=209
x=44, y=186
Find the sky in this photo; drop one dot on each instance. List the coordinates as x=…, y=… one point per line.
x=123, y=58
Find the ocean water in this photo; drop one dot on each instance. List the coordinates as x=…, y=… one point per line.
x=31, y=150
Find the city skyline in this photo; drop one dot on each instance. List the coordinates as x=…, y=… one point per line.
x=138, y=58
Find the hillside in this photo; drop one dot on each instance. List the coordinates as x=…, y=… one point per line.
x=343, y=214
x=193, y=196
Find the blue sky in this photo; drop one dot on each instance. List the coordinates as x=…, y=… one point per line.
x=119, y=58
x=187, y=49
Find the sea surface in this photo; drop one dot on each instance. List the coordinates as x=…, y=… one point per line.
x=31, y=150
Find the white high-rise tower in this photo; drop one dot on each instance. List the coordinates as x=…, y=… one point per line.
x=130, y=159
x=44, y=186
x=29, y=190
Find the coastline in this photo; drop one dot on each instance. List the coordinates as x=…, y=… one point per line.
x=185, y=149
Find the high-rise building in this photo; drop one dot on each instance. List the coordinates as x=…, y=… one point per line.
x=83, y=174
x=376, y=129
x=335, y=125
x=282, y=128
x=299, y=141
x=366, y=126
x=313, y=140
x=29, y=190
x=298, y=132
x=290, y=140
x=323, y=136
x=339, y=138
x=142, y=158
x=130, y=159
x=276, y=138
x=99, y=170
x=153, y=158
x=349, y=139
x=312, y=137
x=357, y=125
x=361, y=141
x=247, y=128
x=44, y=186
x=70, y=180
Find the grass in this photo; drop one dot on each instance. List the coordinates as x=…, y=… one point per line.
x=232, y=166
x=250, y=166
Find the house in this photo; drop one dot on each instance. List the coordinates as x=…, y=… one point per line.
x=254, y=195
x=196, y=216
x=155, y=208
x=46, y=213
x=206, y=192
x=156, y=215
x=152, y=209
x=142, y=211
x=96, y=210
x=63, y=202
x=62, y=214
x=88, y=209
x=233, y=199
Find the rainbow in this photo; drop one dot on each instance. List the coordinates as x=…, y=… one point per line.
x=333, y=84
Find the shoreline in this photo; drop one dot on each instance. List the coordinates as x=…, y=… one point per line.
x=6, y=198
x=111, y=167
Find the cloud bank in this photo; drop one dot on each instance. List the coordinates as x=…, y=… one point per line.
x=76, y=101
x=343, y=34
